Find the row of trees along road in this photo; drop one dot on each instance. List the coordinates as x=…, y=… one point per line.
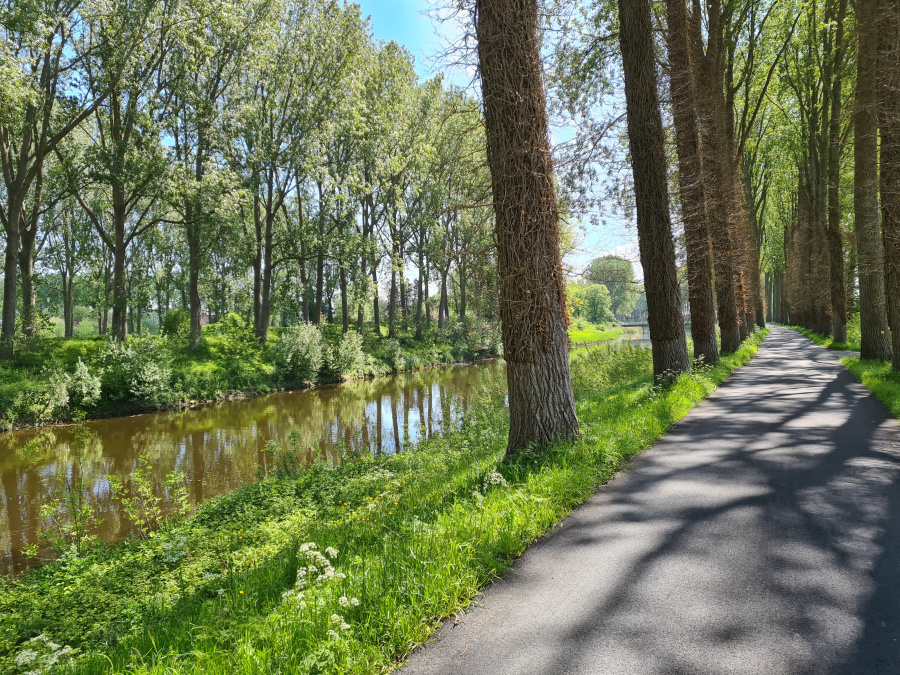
x=269, y=155
x=764, y=99
x=260, y=157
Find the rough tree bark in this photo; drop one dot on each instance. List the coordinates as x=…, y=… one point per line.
x=693, y=196
x=835, y=242
x=708, y=76
x=889, y=114
x=875, y=343
x=531, y=284
x=651, y=193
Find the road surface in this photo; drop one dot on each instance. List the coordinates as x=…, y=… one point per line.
x=762, y=535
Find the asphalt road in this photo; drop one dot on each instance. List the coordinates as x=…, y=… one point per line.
x=762, y=535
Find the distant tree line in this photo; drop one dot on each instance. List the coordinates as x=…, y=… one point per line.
x=266, y=157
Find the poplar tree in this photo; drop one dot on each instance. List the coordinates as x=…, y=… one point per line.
x=532, y=287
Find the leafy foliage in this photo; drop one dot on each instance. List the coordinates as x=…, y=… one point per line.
x=299, y=353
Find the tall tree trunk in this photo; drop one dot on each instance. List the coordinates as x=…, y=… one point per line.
x=120, y=289
x=267, y=279
x=26, y=259
x=442, y=304
x=419, y=284
x=196, y=308
x=850, y=273
x=427, y=299
x=376, y=307
x=345, y=300
x=461, y=268
x=26, y=268
x=392, y=302
x=15, y=206
x=531, y=282
x=835, y=242
x=709, y=81
x=873, y=311
x=889, y=67
x=68, y=289
x=648, y=161
x=690, y=183
x=320, y=274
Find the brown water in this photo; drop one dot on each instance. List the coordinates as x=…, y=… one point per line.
x=220, y=446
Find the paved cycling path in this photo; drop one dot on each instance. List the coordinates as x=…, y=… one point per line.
x=762, y=535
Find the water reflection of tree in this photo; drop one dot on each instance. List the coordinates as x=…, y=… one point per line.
x=219, y=446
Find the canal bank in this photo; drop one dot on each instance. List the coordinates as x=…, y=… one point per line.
x=410, y=537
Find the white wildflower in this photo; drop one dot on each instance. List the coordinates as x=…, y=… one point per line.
x=336, y=618
x=287, y=594
x=495, y=478
x=354, y=602
x=344, y=601
x=345, y=626
x=221, y=592
x=333, y=635
x=372, y=506
x=25, y=656
x=331, y=552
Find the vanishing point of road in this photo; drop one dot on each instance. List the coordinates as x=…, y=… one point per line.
x=761, y=535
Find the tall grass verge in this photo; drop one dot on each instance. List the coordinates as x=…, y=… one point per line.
x=878, y=377
x=339, y=569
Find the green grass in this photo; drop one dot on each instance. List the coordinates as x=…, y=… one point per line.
x=878, y=377
x=417, y=535
x=590, y=333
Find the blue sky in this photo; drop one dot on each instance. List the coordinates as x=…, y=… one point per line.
x=406, y=22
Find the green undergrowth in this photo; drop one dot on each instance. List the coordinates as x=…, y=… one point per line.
x=878, y=377
x=340, y=569
x=53, y=378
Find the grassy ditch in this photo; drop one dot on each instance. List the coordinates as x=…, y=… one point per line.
x=339, y=569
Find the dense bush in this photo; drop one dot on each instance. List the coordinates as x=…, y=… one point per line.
x=473, y=338
x=176, y=324
x=299, y=353
x=347, y=359
x=137, y=370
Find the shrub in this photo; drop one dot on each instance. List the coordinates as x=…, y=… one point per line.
x=393, y=354
x=347, y=358
x=236, y=341
x=138, y=369
x=299, y=354
x=176, y=324
x=84, y=387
